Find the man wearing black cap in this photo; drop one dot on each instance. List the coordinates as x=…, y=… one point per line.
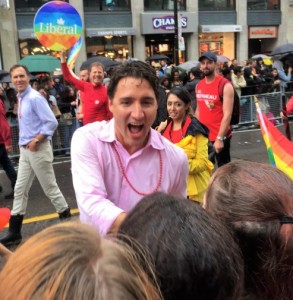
x=215, y=109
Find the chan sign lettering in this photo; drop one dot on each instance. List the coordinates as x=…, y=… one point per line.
x=168, y=22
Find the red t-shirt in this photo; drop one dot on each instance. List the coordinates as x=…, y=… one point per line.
x=175, y=136
x=95, y=98
x=210, y=106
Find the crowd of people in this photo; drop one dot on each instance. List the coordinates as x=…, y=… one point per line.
x=252, y=76
x=160, y=219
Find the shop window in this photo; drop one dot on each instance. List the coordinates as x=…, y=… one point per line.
x=216, y=5
x=114, y=47
x=30, y=5
x=33, y=47
x=211, y=42
x=106, y=5
x=150, y=5
x=263, y=4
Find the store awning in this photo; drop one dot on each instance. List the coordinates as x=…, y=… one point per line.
x=220, y=28
x=27, y=33
x=110, y=31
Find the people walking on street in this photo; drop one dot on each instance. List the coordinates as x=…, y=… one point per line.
x=5, y=147
x=213, y=109
x=37, y=124
x=116, y=163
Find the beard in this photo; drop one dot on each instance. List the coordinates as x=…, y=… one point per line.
x=207, y=72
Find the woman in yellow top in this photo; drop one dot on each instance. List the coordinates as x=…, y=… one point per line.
x=184, y=130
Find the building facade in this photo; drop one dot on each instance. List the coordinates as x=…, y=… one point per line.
x=121, y=29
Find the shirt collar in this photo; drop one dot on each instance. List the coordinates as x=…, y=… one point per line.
x=108, y=135
x=21, y=95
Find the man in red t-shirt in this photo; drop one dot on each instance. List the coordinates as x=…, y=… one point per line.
x=95, y=105
x=213, y=111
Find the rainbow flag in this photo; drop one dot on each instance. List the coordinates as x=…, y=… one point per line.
x=280, y=149
x=73, y=54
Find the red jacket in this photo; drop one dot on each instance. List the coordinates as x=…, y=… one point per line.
x=289, y=106
x=5, y=135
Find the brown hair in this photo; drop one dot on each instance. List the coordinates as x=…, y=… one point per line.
x=19, y=66
x=251, y=198
x=71, y=261
x=135, y=69
x=96, y=64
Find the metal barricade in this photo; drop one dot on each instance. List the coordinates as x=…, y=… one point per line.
x=60, y=141
x=270, y=104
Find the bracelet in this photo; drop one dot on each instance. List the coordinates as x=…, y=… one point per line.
x=221, y=138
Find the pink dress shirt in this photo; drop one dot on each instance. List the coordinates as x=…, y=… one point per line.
x=102, y=192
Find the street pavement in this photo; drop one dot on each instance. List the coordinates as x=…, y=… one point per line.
x=246, y=145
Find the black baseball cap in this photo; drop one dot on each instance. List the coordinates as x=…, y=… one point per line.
x=209, y=55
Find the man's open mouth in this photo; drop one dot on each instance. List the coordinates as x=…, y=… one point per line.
x=135, y=128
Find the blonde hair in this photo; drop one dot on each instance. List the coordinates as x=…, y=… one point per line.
x=71, y=261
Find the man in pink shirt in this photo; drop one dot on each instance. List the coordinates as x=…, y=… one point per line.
x=115, y=163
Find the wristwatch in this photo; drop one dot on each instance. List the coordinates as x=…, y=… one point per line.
x=221, y=138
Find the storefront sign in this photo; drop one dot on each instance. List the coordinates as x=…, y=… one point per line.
x=263, y=32
x=221, y=28
x=111, y=31
x=57, y=25
x=168, y=22
x=156, y=23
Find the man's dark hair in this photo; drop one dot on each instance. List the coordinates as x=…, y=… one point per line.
x=196, y=72
x=194, y=255
x=19, y=66
x=237, y=70
x=136, y=69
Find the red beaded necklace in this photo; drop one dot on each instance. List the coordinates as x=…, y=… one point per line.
x=128, y=181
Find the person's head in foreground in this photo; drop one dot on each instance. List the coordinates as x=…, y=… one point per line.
x=194, y=256
x=71, y=261
x=256, y=201
x=133, y=94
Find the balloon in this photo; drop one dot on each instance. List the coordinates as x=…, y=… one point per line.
x=57, y=25
x=4, y=217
